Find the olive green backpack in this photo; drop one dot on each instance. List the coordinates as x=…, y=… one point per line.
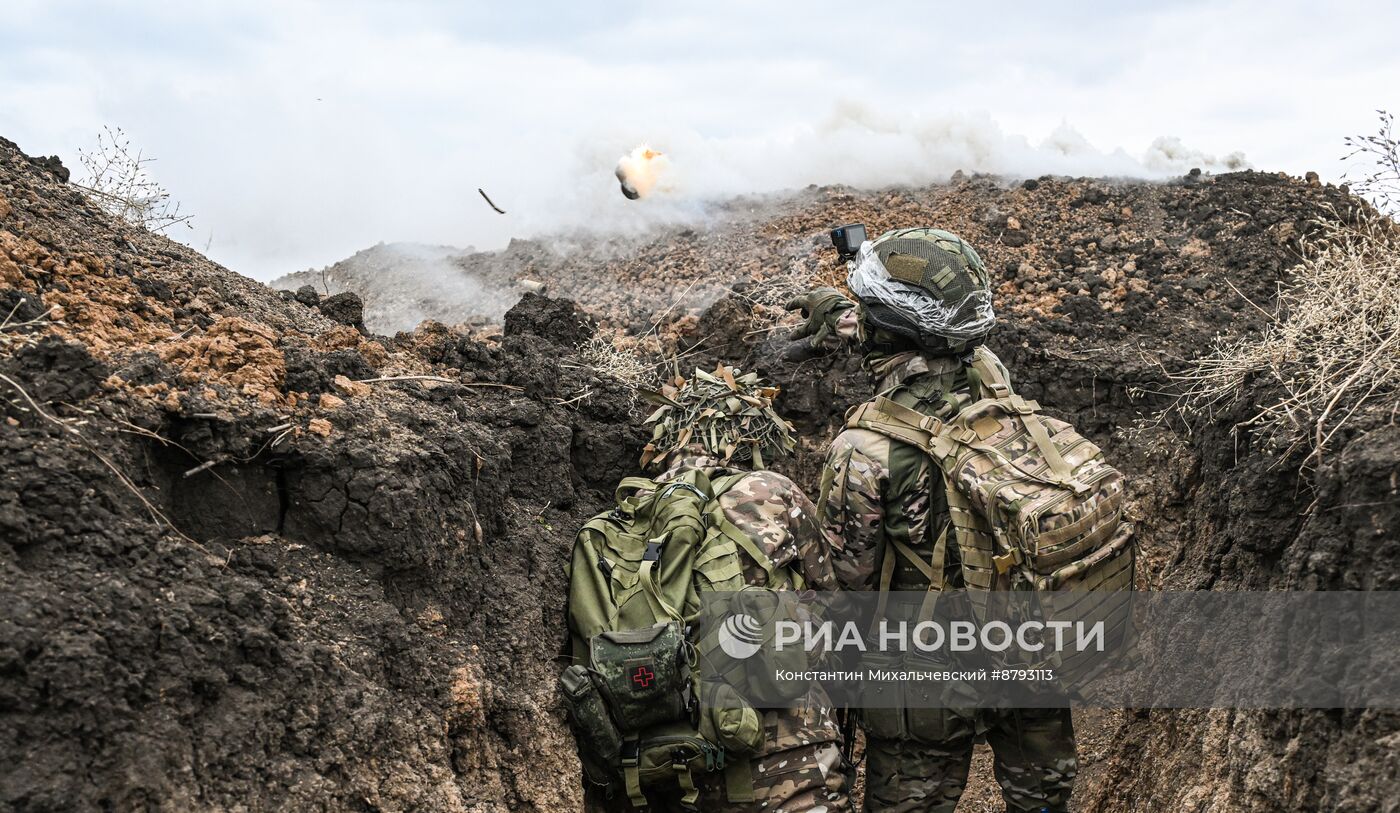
x=642, y=717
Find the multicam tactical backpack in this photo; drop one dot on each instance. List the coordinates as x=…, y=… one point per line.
x=642, y=717
x=1033, y=504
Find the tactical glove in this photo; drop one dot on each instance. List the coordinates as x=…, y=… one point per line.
x=822, y=307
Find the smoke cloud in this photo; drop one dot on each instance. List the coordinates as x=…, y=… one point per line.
x=404, y=283
x=855, y=145
x=299, y=133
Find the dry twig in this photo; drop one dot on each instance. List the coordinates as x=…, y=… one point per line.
x=437, y=378
x=119, y=182
x=22, y=331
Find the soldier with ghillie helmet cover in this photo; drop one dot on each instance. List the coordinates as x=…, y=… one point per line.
x=723, y=424
x=923, y=310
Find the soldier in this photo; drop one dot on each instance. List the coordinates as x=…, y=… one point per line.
x=800, y=766
x=923, y=311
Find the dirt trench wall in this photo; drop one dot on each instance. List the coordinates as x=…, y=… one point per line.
x=364, y=621
x=1244, y=519
x=231, y=580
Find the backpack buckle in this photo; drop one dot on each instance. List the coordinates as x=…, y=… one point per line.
x=1008, y=560
x=963, y=435
x=653, y=551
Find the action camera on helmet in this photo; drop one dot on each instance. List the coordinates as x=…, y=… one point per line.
x=847, y=239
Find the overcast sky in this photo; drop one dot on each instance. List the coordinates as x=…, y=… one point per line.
x=297, y=133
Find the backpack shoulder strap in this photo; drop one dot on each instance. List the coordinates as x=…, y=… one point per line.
x=901, y=423
x=986, y=377
x=720, y=485
x=910, y=426
x=723, y=527
x=627, y=490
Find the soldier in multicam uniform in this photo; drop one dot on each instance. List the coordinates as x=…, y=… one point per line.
x=924, y=307
x=800, y=768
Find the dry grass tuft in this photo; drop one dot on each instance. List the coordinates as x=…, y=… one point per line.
x=1379, y=152
x=769, y=295
x=774, y=290
x=618, y=356
x=117, y=178
x=1332, y=343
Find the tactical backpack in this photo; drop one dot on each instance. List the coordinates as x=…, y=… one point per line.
x=1033, y=504
x=634, y=695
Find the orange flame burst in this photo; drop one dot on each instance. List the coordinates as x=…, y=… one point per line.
x=639, y=171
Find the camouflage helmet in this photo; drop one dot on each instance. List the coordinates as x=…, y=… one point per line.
x=728, y=414
x=924, y=285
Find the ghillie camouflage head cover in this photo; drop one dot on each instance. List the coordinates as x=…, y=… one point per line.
x=729, y=415
x=926, y=286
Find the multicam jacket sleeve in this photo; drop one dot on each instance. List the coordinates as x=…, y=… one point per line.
x=874, y=489
x=783, y=521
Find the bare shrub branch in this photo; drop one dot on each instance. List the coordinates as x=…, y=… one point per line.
x=769, y=295
x=117, y=179
x=1380, y=177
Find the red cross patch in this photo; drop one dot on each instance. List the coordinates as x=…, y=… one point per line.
x=642, y=676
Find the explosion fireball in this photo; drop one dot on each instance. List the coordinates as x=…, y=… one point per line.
x=639, y=170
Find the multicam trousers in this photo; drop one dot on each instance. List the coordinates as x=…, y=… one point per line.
x=1034, y=762
x=805, y=779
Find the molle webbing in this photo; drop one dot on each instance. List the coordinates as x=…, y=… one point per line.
x=631, y=777
x=738, y=780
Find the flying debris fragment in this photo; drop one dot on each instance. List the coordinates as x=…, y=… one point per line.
x=639, y=170
x=498, y=209
x=628, y=190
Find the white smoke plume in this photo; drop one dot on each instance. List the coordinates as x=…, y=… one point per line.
x=404, y=283
x=854, y=145
x=1168, y=155
x=859, y=146
x=679, y=174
